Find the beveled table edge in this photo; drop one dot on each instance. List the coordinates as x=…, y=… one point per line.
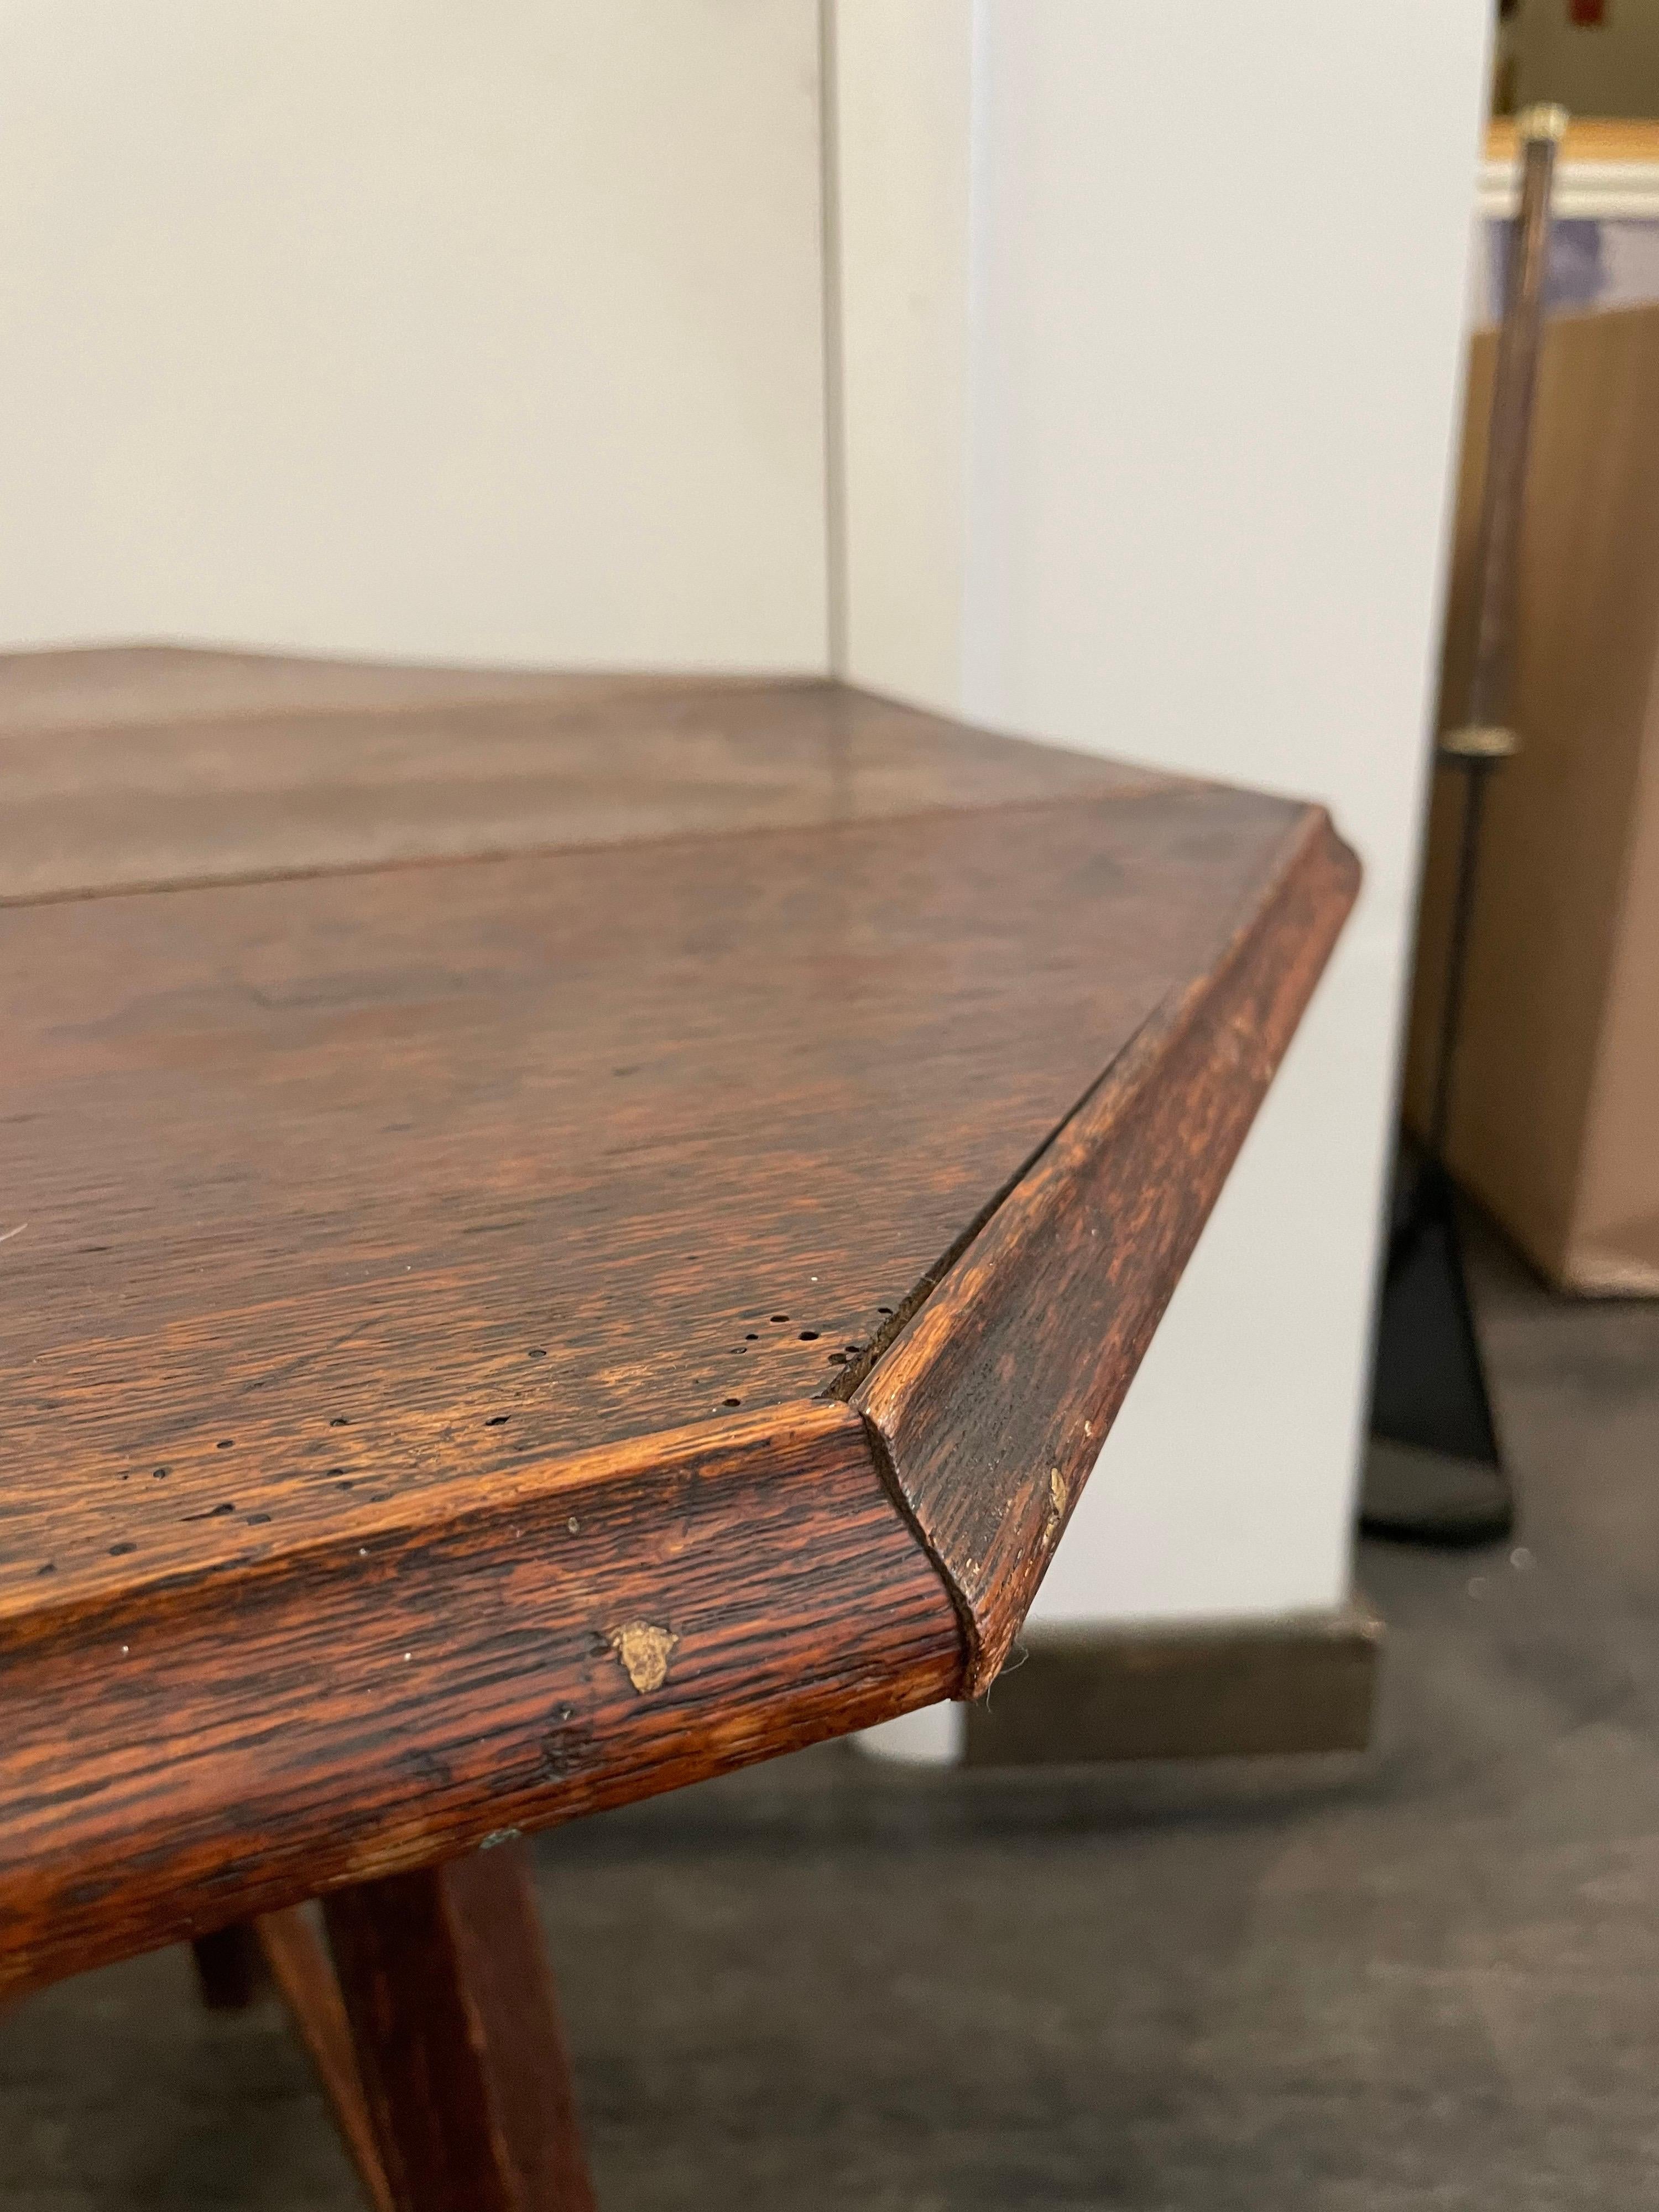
x=924, y=1511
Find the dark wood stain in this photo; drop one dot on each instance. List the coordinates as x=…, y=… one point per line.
x=384, y=1699
x=993, y=1404
x=112, y=690
x=435, y=1289
x=251, y=766
x=304, y=1976
x=458, y=2039
x=312, y=1170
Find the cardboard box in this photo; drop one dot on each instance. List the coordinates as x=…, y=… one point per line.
x=1555, y=1119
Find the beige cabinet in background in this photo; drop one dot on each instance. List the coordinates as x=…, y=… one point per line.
x=1555, y=1121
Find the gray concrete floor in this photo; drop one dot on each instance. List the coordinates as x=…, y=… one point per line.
x=1429, y=1977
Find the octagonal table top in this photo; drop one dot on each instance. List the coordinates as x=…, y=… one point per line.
x=561, y=1233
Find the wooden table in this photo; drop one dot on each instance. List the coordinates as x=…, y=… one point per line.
x=562, y=1234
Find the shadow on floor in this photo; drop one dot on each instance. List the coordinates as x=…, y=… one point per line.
x=1426, y=1977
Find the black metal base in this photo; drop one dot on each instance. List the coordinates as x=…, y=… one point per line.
x=1434, y=1473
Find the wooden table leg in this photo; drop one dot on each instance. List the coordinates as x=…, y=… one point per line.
x=300, y=1967
x=228, y=1968
x=458, y=2042
x=234, y=1964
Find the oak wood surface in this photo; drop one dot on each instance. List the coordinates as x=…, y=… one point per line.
x=430, y=1290
x=458, y=2039
x=328, y=1194
x=105, y=689
x=139, y=767
x=393, y=1696
x=1017, y=1365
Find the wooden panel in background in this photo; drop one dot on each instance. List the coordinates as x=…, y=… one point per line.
x=1298, y=1685
x=1589, y=139
x=1553, y=1112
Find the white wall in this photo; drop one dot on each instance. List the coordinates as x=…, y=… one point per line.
x=1214, y=273
x=900, y=208
x=415, y=328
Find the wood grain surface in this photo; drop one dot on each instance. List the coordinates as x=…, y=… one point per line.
x=109, y=689
x=298, y=1965
x=247, y=766
x=1015, y=1368
x=431, y=1292
x=327, y=1194
x=555, y=1640
x=458, y=2039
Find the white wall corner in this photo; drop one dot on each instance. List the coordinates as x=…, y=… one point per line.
x=899, y=110
x=415, y=330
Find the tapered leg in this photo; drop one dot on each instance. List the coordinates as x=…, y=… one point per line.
x=456, y=2030
x=235, y=1964
x=301, y=1968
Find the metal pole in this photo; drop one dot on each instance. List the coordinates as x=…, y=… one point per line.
x=1485, y=738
